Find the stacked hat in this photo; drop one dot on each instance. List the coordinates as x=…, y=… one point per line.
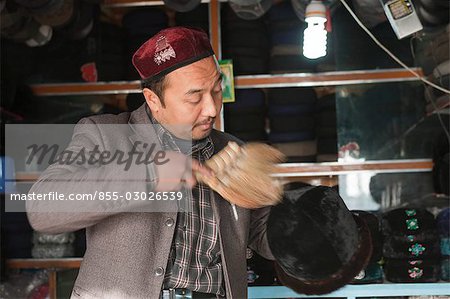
x=411, y=246
x=16, y=24
x=326, y=128
x=15, y=228
x=260, y=271
x=245, y=42
x=373, y=273
x=393, y=189
x=292, y=124
x=432, y=55
x=443, y=223
x=432, y=49
x=141, y=24
x=318, y=244
x=198, y=17
x=182, y=5
x=286, y=36
x=52, y=246
x=103, y=55
x=246, y=117
x=441, y=165
x=250, y=9
x=16, y=234
x=437, y=99
x=433, y=13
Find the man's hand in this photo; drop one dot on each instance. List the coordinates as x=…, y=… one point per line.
x=178, y=172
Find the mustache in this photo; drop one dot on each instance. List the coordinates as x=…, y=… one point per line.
x=206, y=122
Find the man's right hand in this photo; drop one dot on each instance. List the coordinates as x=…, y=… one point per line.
x=178, y=172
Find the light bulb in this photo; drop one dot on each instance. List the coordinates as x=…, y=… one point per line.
x=315, y=35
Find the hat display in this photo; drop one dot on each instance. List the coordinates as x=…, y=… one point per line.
x=182, y=5
x=410, y=234
x=319, y=245
x=245, y=42
x=198, y=17
x=56, y=13
x=412, y=270
x=373, y=273
x=171, y=49
x=373, y=223
x=246, y=117
x=292, y=128
x=445, y=269
x=443, y=224
x=441, y=164
x=251, y=10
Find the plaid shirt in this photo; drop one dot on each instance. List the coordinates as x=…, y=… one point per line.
x=194, y=261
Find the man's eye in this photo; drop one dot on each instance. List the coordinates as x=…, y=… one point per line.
x=194, y=101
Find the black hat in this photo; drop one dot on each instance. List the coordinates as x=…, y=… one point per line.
x=318, y=244
x=182, y=5
x=410, y=233
x=445, y=269
x=404, y=270
x=373, y=223
x=373, y=273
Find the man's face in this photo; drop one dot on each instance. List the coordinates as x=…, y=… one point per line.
x=192, y=100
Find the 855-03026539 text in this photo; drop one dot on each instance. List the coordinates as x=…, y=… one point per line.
x=101, y=195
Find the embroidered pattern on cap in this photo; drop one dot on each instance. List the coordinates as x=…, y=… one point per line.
x=164, y=51
x=417, y=249
x=415, y=273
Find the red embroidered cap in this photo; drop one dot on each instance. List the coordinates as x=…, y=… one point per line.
x=170, y=49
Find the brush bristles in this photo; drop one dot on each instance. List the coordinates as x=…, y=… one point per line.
x=243, y=175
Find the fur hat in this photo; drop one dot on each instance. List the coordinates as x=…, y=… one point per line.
x=409, y=270
x=318, y=244
x=410, y=234
x=373, y=273
x=445, y=269
x=373, y=223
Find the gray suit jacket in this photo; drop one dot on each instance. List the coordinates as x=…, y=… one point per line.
x=127, y=252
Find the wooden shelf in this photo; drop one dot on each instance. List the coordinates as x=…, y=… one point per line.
x=254, y=81
x=354, y=291
x=338, y=168
x=319, y=171
x=57, y=263
x=134, y=3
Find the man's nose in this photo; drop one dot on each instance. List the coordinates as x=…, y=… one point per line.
x=209, y=107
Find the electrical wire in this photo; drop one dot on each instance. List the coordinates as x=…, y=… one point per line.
x=396, y=59
x=390, y=53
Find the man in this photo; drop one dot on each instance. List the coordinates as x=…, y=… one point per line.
x=130, y=254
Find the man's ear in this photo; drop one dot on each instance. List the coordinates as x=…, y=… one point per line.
x=153, y=101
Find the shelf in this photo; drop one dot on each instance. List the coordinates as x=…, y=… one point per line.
x=338, y=168
x=350, y=291
x=353, y=291
x=57, y=263
x=319, y=170
x=327, y=78
x=134, y=3
x=254, y=81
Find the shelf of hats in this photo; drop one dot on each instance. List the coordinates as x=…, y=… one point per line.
x=354, y=120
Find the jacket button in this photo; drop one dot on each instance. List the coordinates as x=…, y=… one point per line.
x=159, y=271
x=169, y=222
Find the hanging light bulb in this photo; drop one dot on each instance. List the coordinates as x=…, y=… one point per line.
x=315, y=36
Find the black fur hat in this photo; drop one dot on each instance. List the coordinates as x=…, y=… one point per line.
x=404, y=270
x=372, y=221
x=410, y=234
x=318, y=244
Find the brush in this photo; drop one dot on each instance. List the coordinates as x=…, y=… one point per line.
x=242, y=175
